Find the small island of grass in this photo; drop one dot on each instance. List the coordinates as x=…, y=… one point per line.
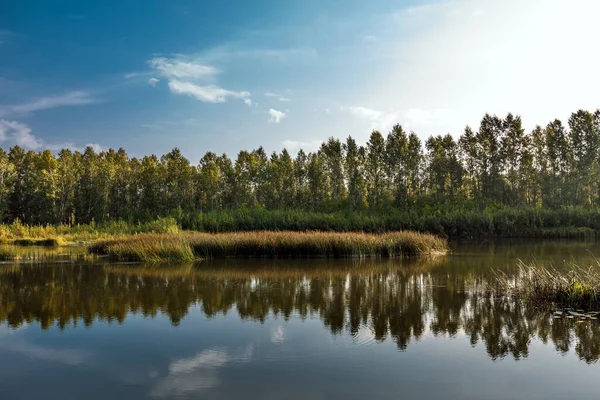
x=186, y=246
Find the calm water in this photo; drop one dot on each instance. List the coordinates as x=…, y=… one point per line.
x=292, y=330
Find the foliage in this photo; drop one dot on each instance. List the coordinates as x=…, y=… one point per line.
x=499, y=164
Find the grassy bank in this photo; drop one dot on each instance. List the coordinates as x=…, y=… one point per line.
x=448, y=222
x=445, y=221
x=195, y=245
x=49, y=235
x=578, y=288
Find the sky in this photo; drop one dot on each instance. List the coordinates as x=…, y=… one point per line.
x=150, y=75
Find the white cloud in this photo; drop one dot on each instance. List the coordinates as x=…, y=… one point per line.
x=208, y=94
x=183, y=77
x=205, y=359
x=294, y=146
x=132, y=75
x=280, y=97
x=45, y=103
x=17, y=133
x=232, y=52
x=153, y=81
x=65, y=356
x=379, y=120
x=179, y=69
x=198, y=373
x=95, y=146
x=370, y=38
x=276, y=116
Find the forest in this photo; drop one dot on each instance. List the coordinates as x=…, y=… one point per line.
x=498, y=167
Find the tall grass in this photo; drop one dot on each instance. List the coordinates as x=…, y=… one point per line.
x=447, y=221
x=455, y=223
x=8, y=254
x=269, y=244
x=50, y=235
x=580, y=287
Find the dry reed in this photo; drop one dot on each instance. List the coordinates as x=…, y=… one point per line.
x=187, y=246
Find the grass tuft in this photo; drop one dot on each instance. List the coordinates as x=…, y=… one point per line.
x=580, y=287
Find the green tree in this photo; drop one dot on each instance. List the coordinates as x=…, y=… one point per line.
x=354, y=165
x=396, y=150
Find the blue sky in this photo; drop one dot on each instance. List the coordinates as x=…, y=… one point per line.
x=231, y=75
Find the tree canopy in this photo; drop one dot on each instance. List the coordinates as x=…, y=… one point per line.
x=499, y=163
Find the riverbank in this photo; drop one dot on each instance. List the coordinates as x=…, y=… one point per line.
x=186, y=246
x=450, y=223
x=20, y=234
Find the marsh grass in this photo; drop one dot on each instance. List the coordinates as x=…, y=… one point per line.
x=268, y=244
x=8, y=254
x=56, y=235
x=45, y=254
x=52, y=242
x=545, y=286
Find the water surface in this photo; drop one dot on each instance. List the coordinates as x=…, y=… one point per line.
x=292, y=329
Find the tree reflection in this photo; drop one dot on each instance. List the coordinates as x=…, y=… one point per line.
x=403, y=304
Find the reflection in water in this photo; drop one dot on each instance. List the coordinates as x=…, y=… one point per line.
x=198, y=373
x=371, y=301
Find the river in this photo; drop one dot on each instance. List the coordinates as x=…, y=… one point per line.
x=293, y=329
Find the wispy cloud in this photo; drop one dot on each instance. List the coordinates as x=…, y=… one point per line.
x=45, y=103
x=17, y=133
x=231, y=52
x=197, y=373
x=131, y=75
x=280, y=97
x=153, y=81
x=379, y=120
x=63, y=356
x=276, y=116
x=179, y=69
x=294, y=145
x=184, y=75
x=208, y=94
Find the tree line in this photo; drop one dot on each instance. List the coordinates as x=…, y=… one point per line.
x=498, y=164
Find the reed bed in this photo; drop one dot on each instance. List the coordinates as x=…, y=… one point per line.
x=579, y=287
x=56, y=235
x=8, y=254
x=188, y=246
